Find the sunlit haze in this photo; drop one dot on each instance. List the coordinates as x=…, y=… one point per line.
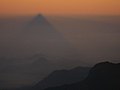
x=59, y=7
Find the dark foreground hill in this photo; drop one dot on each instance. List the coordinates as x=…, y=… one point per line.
x=103, y=76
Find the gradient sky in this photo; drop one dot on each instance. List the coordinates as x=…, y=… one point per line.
x=60, y=7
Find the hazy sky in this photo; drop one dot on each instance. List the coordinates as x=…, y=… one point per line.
x=60, y=7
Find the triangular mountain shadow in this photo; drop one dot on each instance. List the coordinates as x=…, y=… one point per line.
x=41, y=23
x=39, y=20
x=42, y=37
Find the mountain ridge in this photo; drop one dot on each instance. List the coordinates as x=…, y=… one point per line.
x=61, y=77
x=103, y=76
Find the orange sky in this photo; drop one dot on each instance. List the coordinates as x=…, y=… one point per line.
x=61, y=7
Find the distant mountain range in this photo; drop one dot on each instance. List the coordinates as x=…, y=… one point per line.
x=58, y=78
x=103, y=76
x=61, y=77
x=26, y=71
